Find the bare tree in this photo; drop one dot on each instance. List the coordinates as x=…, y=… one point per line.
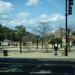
x=43, y=30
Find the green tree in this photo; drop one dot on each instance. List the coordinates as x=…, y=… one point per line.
x=73, y=33
x=4, y=32
x=1, y=33
x=55, y=40
x=20, y=31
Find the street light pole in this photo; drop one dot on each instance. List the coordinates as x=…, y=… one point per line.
x=66, y=15
x=68, y=7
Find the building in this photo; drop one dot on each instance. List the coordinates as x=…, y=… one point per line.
x=6, y=42
x=15, y=43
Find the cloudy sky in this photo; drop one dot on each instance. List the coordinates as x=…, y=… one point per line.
x=31, y=12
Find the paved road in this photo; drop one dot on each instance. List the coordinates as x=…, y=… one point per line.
x=37, y=66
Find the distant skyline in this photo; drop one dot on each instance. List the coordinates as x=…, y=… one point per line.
x=31, y=12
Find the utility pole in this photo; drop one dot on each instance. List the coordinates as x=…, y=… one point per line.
x=66, y=49
x=68, y=7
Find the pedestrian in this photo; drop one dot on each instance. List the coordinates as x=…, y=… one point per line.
x=55, y=48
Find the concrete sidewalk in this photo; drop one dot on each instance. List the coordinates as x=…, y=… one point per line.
x=42, y=54
x=37, y=55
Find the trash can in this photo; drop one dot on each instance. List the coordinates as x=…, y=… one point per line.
x=5, y=53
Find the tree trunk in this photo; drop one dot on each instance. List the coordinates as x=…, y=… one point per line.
x=20, y=44
x=42, y=44
x=37, y=43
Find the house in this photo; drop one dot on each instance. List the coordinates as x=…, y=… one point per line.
x=6, y=42
x=23, y=44
x=61, y=34
x=15, y=43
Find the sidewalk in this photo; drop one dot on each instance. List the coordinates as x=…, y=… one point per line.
x=38, y=55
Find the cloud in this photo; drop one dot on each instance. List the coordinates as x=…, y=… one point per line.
x=32, y=2
x=6, y=7
x=4, y=16
x=18, y=22
x=23, y=15
x=5, y=12
x=23, y=18
x=20, y=19
x=50, y=18
x=42, y=18
x=56, y=17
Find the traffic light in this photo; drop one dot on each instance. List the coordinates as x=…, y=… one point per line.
x=70, y=12
x=70, y=3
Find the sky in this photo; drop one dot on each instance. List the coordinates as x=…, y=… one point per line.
x=31, y=13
